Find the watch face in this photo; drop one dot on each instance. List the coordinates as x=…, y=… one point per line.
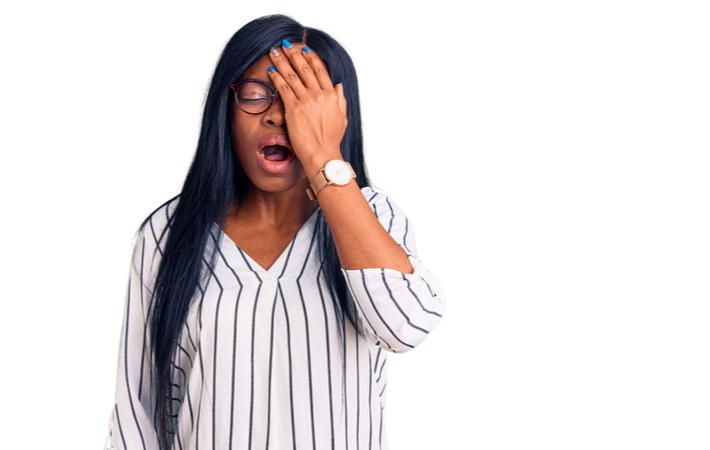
x=338, y=172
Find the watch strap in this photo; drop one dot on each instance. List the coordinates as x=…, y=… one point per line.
x=317, y=183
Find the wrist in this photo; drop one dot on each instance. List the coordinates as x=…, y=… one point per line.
x=312, y=164
x=336, y=172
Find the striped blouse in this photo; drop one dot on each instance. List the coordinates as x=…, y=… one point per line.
x=263, y=361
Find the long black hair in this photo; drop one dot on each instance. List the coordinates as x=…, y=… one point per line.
x=215, y=182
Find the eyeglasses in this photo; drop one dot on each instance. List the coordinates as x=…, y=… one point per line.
x=253, y=96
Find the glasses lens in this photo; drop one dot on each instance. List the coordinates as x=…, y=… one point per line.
x=254, y=97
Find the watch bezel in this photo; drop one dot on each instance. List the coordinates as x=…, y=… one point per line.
x=338, y=172
x=323, y=179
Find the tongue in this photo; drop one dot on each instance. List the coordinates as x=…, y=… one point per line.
x=275, y=153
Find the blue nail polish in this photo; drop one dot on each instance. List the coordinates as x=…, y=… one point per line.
x=286, y=43
x=306, y=49
x=271, y=69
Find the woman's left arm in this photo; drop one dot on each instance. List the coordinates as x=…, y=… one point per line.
x=398, y=301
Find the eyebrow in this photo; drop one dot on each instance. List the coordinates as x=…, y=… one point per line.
x=257, y=80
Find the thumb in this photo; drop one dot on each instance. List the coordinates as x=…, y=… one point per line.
x=342, y=102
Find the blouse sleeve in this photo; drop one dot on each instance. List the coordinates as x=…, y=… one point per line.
x=396, y=311
x=131, y=424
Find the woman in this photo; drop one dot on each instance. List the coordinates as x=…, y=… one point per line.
x=263, y=299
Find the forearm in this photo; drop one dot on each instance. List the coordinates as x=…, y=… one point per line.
x=360, y=239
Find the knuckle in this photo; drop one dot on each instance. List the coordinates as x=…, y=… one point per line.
x=283, y=87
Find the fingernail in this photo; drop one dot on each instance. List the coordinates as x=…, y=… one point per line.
x=274, y=51
x=286, y=43
x=306, y=49
x=271, y=69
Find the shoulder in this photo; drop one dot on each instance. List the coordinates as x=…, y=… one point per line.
x=154, y=228
x=150, y=238
x=391, y=216
x=381, y=203
x=372, y=194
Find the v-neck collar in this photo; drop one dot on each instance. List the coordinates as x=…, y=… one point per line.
x=280, y=267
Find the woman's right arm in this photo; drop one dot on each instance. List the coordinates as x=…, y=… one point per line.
x=131, y=425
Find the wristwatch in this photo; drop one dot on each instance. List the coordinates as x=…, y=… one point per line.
x=336, y=172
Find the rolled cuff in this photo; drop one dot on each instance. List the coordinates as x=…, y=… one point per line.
x=396, y=311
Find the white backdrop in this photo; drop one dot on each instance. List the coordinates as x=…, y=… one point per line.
x=552, y=156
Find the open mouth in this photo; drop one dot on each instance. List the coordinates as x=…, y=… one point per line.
x=276, y=153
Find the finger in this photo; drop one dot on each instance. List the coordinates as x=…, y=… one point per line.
x=320, y=71
x=282, y=86
x=300, y=64
x=288, y=75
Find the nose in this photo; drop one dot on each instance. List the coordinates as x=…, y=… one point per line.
x=275, y=116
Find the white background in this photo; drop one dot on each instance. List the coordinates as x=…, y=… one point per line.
x=552, y=155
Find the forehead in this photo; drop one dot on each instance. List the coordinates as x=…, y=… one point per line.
x=259, y=70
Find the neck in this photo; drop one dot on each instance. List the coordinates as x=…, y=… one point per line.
x=275, y=208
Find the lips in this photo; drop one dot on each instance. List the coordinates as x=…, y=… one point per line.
x=274, y=153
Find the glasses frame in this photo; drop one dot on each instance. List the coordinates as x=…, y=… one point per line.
x=235, y=87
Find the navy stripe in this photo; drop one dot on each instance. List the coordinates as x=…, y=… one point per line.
x=377, y=311
x=271, y=372
x=328, y=361
x=399, y=308
x=126, y=365
x=416, y=297
x=145, y=326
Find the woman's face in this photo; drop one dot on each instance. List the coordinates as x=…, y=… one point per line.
x=261, y=142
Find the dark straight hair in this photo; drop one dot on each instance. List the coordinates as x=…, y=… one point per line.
x=215, y=182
